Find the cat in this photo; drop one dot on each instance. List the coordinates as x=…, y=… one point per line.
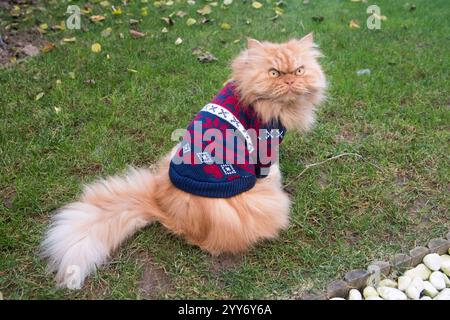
x=278, y=82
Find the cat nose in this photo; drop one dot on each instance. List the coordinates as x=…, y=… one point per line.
x=289, y=82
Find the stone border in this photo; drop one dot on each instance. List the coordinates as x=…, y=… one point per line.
x=359, y=278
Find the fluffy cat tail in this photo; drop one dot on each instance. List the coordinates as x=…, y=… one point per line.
x=83, y=234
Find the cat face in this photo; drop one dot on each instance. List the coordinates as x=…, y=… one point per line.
x=279, y=72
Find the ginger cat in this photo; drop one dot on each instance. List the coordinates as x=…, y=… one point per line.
x=276, y=82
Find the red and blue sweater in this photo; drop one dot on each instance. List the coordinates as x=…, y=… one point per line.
x=213, y=162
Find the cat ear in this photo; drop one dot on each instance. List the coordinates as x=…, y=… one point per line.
x=307, y=40
x=253, y=43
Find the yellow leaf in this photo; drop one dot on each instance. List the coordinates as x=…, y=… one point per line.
x=104, y=4
x=43, y=26
x=256, y=4
x=48, y=47
x=96, y=48
x=353, y=24
x=225, y=26
x=191, y=21
x=73, y=39
x=131, y=70
x=97, y=18
x=144, y=11
x=71, y=75
x=379, y=17
x=58, y=82
x=164, y=30
x=157, y=4
x=178, y=41
x=39, y=96
x=116, y=11
x=279, y=11
x=57, y=109
x=169, y=3
x=205, y=10
x=227, y=2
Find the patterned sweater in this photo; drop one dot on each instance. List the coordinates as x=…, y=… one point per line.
x=225, y=148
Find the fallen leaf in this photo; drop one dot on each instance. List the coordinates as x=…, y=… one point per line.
x=132, y=70
x=48, y=46
x=206, y=57
x=225, y=26
x=181, y=14
x=256, y=4
x=191, y=21
x=116, y=11
x=136, y=34
x=106, y=33
x=71, y=75
x=96, y=48
x=104, y=4
x=144, y=11
x=279, y=11
x=157, y=4
x=203, y=56
x=58, y=82
x=168, y=20
x=72, y=39
x=89, y=81
x=57, y=109
x=169, y=3
x=61, y=26
x=353, y=24
x=178, y=41
x=191, y=2
x=227, y=2
x=97, y=18
x=134, y=21
x=39, y=96
x=43, y=26
x=205, y=10
x=383, y=18
x=164, y=30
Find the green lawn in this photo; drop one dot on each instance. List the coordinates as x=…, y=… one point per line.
x=346, y=212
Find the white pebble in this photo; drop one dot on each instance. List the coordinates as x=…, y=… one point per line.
x=337, y=298
x=374, y=298
x=354, y=295
x=420, y=271
x=432, y=261
x=447, y=280
x=426, y=298
x=403, y=282
x=417, y=283
x=412, y=292
x=443, y=295
x=387, y=283
x=445, y=257
x=370, y=292
x=429, y=289
x=388, y=293
x=437, y=280
x=445, y=267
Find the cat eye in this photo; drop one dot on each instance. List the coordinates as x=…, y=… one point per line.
x=300, y=71
x=274, y=73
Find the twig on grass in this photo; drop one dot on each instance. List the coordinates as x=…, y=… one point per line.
x=309, y=166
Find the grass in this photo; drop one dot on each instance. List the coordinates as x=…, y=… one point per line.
x=345, y=212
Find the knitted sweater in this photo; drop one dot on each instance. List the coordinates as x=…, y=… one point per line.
x=225, y=148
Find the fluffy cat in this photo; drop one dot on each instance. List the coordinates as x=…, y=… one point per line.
x=280, y=81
